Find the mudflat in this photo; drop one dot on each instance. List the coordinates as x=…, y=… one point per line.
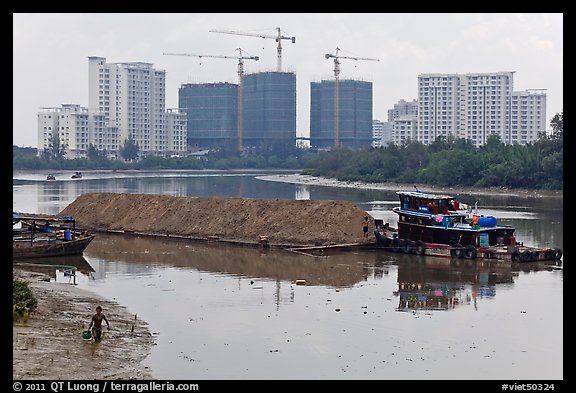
x=49, y=344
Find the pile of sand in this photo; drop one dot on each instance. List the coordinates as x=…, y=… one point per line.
x=302, y=222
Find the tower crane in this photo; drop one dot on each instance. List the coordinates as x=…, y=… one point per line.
x=337, y=58
x=278, y=37
x=240, y=85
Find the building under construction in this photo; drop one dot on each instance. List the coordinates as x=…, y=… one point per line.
x=212, y=113
x=355, y=114
x=268, y=115
x=269, y=108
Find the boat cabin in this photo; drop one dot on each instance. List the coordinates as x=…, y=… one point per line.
x=428, y=203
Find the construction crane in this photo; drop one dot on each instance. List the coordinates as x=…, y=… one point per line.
x=240, y=86
x=337, y=90
x=279, y=37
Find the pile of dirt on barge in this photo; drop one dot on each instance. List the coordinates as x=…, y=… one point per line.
x=243, y=220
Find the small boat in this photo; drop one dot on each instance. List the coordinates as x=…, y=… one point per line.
x=50, y=177
x=40, y=236
x=439, y=225
x=77, y=175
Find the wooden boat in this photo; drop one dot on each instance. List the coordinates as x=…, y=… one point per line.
x=77, y=175
x=47, y=236
x=437, y=225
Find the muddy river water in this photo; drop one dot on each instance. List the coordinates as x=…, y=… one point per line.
x=226, y=312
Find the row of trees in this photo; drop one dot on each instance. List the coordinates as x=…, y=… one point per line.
x=446, y=162
x=453, y=162
x=276, y=155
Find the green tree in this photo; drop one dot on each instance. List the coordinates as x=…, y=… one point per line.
x=129, y=150
x=55, y=149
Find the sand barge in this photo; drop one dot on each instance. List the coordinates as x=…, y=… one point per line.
x=244, y=220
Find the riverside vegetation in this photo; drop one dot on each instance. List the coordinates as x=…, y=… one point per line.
x=445, y=162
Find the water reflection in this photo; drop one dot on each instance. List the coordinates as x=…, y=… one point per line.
x=423, y=282
x=443, y=284
x=143, y=253
x=67, y=266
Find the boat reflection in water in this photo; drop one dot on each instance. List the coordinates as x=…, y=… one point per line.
x=423, y=282
x=68, y=265
x=440, y=284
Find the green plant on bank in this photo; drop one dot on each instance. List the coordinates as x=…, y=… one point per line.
x=23, y=300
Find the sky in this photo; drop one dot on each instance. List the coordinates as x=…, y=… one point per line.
x=51, y=50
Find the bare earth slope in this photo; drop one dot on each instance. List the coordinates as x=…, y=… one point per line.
x=283, y=221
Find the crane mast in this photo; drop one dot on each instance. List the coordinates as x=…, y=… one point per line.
x=337, y=90
x=240, y=126
x=278, y=38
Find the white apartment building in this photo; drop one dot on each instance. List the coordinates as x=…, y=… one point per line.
x=403, y=108
x=404, y=129
x=132, y=97
x=438, y=99
x=381, y=133
x=176, y=131
x=77, y=128
x=527, y=116
x=485, y=106
x=70, y=122
x=476, y=105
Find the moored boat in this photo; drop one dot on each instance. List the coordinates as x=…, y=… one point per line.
x=47, y=236
x=50, y=177
x=439, y=225
x=77, y=175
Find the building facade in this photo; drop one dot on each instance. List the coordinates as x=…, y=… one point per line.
x=132, y=98
x=475, y=106
x=269, y=108
x=77, y=129
x=355, y=114
x=212, y=114
x=527, y=116
x=381, y=133
x=403, y=108
x=176, y=132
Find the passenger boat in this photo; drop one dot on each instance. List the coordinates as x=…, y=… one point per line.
x=77, y=175
x=37, y=236
x=439, y=225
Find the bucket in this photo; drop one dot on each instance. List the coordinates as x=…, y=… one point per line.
x=484, y=240
x=67, y=234
x=86, y=334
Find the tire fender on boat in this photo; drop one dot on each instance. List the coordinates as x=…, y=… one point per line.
x=420, y=247
x=526, y=256
x=457, y=250
x=408, y=246
x=396, y=244
x=516, y=257
x=470, y=252
x=557, y=253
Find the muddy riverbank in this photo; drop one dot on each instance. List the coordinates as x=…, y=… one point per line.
x=49, y=344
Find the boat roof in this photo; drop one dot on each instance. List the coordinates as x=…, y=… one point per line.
x=41, y=217
x=426, y=195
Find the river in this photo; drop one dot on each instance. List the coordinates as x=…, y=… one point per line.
x=225, y=312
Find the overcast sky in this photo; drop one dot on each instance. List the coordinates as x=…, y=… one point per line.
x=50, y=59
